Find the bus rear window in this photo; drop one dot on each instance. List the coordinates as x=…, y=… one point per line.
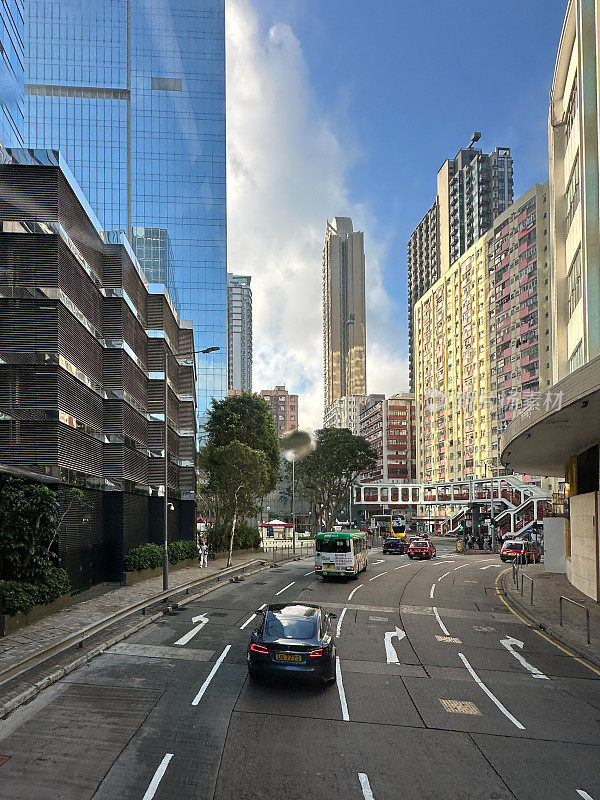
x=333, y=546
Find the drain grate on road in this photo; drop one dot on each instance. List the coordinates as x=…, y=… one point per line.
x=460, y=707
x=451, y=639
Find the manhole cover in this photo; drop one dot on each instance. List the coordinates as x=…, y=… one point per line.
x=460, y=707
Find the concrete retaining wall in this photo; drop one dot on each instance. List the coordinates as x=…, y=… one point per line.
x=582, y=566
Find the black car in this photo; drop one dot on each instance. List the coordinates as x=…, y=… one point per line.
x=293, y=639
x=394, y=545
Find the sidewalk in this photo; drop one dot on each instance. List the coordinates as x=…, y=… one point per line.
x=544, y=614
x=25, y=642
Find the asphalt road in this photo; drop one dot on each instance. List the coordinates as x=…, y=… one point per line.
x=452, y=707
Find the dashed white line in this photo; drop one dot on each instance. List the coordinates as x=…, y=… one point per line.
x=366, y=786
x=281, y=591
x=162, y=768
x=341, y=692
x=248, y=621
x=432, y=590
x=446, y=562
x=353, y=592
x=583, y=794
x=402, y=566
x=312, y=572
x=445, y=630
x=377, y=576
x=444, y=575
x=339, y=625
x=461, y=567
x=211, y=675
x=492, y=696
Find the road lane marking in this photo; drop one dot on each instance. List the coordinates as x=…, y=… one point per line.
x=312, y=572
x=390, y=653
x=539, y=633
x=493, y=566
x=510, y=643
x=447, y=562
x=281, y=591
x=402, y=567
x=432, y=591
x=341, y=692
x=162, y=768
x=352, y=593
x=248, y=621
x=339, y=625
x=583, y=794
x=366, y=786
x=378, y=576
x=462, y=566
x=444, y=575
x=211, y=675
x=445, y=630
x=203, y=620
x=490, y=694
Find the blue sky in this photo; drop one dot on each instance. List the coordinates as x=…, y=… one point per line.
x=373, y=97
x=407, y=83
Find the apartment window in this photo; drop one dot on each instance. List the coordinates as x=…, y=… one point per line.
x=574, y=283
x=571, y=110
x=573, y=192
x=576, y=359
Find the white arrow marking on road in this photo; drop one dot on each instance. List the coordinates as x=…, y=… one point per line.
x=583, y=794
x=492, y=696
x=203, y=620
x=381, y=561
x=211, y=675
x=509, y=643
x=366, y=786
x=493, y=566
x=390, y=653
x=162, y=768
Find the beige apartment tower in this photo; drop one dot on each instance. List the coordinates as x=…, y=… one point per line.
x=344, y=316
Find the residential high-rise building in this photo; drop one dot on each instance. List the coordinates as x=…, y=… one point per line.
x=345, y=411
x=344, y=315
x=284, y=408
x=561, y=437
x=133, y=95
x=239, y=333
x=482, y=343
x=389, y=427
x=82, y=374
x=12, y=74
x=472, y=190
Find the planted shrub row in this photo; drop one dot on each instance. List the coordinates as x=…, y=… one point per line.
x=150, y=556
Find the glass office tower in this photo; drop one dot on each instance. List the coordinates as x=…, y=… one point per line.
x=132, y=93
x=11, y=73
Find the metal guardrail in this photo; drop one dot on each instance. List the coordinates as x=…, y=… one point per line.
x=579, y=605
x=79, y=638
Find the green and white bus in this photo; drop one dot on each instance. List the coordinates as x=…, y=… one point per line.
x=340, y=553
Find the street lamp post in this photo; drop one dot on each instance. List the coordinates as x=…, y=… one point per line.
x=166, y=475
x=294, y=504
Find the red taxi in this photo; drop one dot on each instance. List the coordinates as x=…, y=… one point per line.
x=421, y=548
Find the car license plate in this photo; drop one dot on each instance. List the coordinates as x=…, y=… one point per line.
x=287, y=657
x=328, y=566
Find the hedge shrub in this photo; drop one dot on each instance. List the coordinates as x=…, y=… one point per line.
x=149, y=556
x=179, y=551
x=246, y=537
x=19, y=597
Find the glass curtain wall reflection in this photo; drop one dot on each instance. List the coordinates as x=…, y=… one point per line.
x=11, y=73
x=132, y=92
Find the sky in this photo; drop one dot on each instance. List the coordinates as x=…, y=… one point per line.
x=347, y=108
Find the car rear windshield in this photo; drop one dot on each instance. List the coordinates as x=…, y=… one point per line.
x=290, y=627
x=420, y=543
x=514, y=546
x=333, y=545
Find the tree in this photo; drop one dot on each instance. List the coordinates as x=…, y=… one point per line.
x=245, y=418
x=237, y=475
x=329, y=471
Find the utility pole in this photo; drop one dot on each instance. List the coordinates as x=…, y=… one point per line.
x=294, y=503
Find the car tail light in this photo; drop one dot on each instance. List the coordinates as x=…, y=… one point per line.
x=349, y=569
x=317, y=567
x=258, y=648
x=320, y=652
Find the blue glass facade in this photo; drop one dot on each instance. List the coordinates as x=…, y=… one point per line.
x=133, y=95
x=11, y=73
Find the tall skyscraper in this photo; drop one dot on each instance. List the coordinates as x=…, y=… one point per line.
x=133, y=95
x=239, y=333
x=344, y=315
x=472, y=190
x=12, y=74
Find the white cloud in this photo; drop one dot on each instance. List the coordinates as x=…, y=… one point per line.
x=286, y=176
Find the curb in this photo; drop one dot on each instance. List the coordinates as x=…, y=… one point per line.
x=550, y=629
x=29, y=693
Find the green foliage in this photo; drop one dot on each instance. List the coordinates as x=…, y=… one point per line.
x=327, y=473
x=246, y=537
x=150, y=556
x=19, y=597
x=247, y=419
